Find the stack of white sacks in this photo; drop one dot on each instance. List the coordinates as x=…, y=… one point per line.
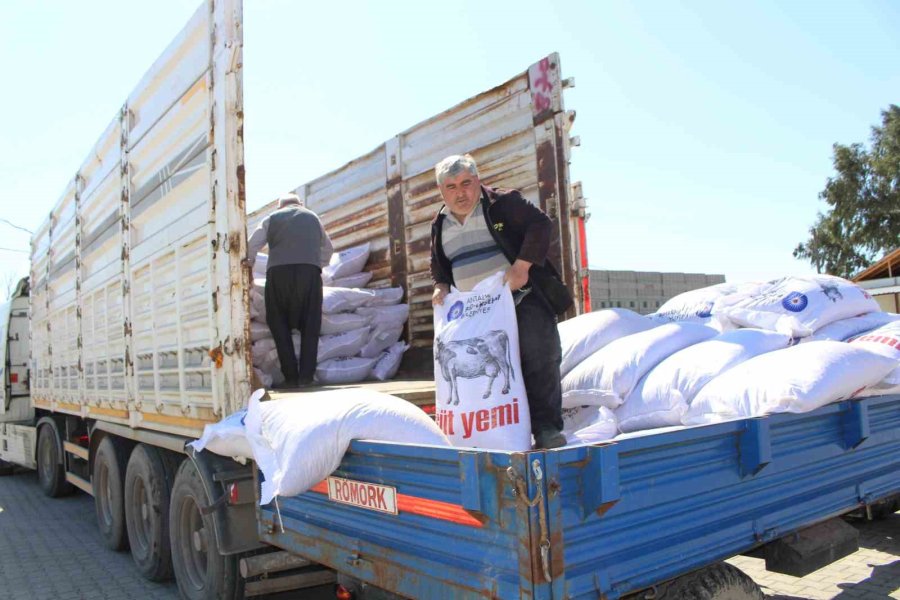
x=361, y=328
x=726, y=352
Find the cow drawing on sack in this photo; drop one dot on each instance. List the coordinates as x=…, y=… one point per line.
x=484, y=356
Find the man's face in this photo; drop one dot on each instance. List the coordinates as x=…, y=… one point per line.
x=461, y=193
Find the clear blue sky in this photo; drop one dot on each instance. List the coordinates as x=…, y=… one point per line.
x=706, y=126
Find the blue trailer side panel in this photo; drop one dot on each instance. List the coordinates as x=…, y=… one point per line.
x=614, y=518
x=473, y=544
x=696, y=496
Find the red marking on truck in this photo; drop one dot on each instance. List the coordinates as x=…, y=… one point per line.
x=425, y=507
x=484, y=419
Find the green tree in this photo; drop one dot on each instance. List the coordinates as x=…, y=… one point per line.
x=863, y=218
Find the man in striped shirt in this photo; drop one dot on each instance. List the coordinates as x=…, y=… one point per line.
x=480, y=231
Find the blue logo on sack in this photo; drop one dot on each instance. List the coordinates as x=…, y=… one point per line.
x=795, y=302
x=456, y=311
x=705, y=311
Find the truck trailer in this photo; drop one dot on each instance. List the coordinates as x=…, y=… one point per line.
x=132, y=333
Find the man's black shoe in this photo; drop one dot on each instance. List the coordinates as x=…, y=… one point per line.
x=547, y=439
x=286, y=385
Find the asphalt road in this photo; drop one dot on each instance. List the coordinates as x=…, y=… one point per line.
x=50, y=549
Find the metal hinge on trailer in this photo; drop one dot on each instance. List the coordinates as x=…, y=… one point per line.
x=520, y=490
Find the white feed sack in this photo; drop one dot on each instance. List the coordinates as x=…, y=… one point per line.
x=699, y=306
x=260, y=265
x=352, y=281
x=347, y=262
x=335, y=300
x=259, y=331
x=845, y=329
x=388, y=362
x=583, y=335
x=228, y=437
x=662, y=397
x=798, y=379
x=300, y=439
x=386, y=296
x=589, y=424
x=380, y=338
x=348, y=343
x=609, y=375
x=396, y=314
x=481, y=399
x=798, y=306
x=344, y=369
x=884, y=341
x=340, y=322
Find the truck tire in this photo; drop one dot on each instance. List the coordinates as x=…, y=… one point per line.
x=51, y=474
x=109, y=486
x=884, y=509
x=202, y=573
x=148, y=490
x=720, y=581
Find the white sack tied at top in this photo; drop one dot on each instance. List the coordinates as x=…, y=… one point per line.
x=336, y=300
x=340, y=322
x=798, y=379
x=260, y=265
x=344, y=370
x=388, y=362
x=845, y=329
x=228, y=437
x=663, y=396
x=481, y=400
x=798, y=306
x=588, y=425
x=300, y=439
x=700, y=305
x=583, y=335
x=608, y=376
x=347, y=262
x=343, y=344
x=884, y=341
x=352, y=281
x=386, y=296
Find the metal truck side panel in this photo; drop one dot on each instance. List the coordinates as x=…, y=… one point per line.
x=455, y=554
x=388, y=197
x=620, y=517
x=138, y=314
x=695, y=496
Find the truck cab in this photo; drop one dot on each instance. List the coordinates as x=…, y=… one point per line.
x=16, y=411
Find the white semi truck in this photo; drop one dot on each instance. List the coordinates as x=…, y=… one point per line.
x=132, y=331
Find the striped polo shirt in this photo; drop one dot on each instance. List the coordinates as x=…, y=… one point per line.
x=471, y=250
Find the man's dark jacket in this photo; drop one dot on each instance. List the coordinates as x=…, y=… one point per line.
x=522, y=231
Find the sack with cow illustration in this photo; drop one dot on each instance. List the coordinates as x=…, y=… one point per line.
x=481, y=400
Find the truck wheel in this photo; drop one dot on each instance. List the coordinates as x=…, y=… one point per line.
x=884, y=509
x=720, y=581
x=51, y=474
x=6, y=468
x=201, y=572
x=148, y=488
x=108, y=484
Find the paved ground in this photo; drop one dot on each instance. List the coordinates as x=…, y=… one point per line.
x=872, y=573
x=50, y=549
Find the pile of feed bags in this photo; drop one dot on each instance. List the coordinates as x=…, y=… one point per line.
x=361, y=328
x=481, y=400
x=729, y=351
x=299, y=440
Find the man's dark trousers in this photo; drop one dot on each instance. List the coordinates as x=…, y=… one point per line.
x=294, y=301
x=539, y=349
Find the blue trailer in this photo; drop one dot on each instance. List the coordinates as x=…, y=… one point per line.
x=603, y=521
